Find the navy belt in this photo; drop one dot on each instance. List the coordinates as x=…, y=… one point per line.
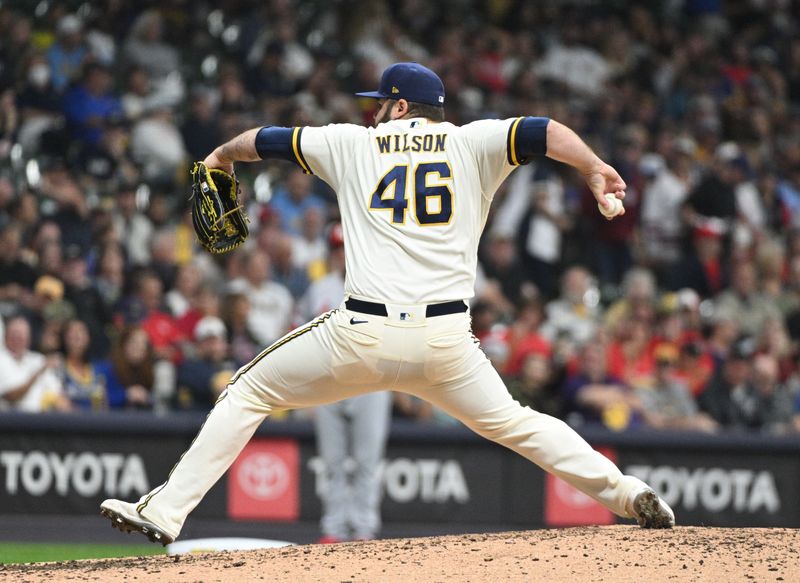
x=431, y=310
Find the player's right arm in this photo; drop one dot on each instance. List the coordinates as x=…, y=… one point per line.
x=502, y=145
x=566, y=146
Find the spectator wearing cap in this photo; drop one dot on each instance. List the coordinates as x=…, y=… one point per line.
x=744, y=302
x=703, y=269
x=202, y=378
x=28, y=382
x=730, y=379
x=668, y=404
x=68, y=54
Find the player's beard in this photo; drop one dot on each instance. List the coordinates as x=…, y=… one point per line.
x=384, y=114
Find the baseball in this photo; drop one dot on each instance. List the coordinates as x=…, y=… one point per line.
x=615, y=209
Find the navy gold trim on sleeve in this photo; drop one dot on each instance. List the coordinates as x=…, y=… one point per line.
x=527, y=137
x=282, y=143
x=298, y=150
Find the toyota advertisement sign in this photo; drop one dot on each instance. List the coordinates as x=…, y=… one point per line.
x=280, y=478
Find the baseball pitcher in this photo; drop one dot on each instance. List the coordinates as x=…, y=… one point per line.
x=414, y=193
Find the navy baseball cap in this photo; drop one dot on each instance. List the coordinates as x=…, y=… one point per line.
x=409, y=81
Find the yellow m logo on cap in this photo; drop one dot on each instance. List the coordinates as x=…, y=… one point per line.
x=395, y=90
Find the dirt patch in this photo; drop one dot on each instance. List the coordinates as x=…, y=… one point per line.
x=614, y=554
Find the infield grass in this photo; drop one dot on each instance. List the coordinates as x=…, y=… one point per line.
x=39, y=552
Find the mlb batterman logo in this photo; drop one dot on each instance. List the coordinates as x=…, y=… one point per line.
x=264, y=476
x=264, y=481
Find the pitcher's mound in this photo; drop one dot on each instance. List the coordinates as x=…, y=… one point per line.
x=613, y=554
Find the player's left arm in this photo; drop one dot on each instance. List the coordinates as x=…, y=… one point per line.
x=323, y=151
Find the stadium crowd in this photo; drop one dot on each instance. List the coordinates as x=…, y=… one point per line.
x=682, y=314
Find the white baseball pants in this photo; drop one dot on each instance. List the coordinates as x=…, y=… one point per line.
x=330, y=358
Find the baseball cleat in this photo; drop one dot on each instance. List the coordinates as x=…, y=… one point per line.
x=124, y=517
x=651, y=511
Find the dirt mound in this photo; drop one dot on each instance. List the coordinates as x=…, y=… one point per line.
x=616, y=554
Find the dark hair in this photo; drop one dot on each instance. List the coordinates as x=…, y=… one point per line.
x=431, y=112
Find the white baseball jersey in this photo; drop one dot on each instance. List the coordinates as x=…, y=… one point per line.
x=414, y=197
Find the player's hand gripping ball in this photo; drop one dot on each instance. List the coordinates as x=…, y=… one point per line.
x=615, y=206
x=217, y=216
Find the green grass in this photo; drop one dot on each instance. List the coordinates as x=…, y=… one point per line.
x=38, y=552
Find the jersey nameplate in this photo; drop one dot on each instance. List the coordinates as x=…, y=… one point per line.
x=393, y=143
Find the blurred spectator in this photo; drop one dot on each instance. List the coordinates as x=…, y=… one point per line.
x=200, y=129
x=68, y=54
x=243, y=345
x=202, y=379
x=132, y=226
x=727, y=389
x=592, y=395
x=29, y=382
x=714, y=195
x=663, y=197
x=271, y=303
x=637, y=303
x=630, y=356
x=309, y=249
x=146, y=48
x=162, y=330
x=524, y=337
x=744, y=303
x=535, y=387
x=16, y=276
x=284, y=270
x=157, y=145
x=129, y=374
x=38, y=103
x=668, y=404
x=110, y=275
x=90, y=307
x=504, y=273
x=91, y=106
x=84, y=386
x=573, y=316
x=291, y=203
x=703, y=269
x=187, y=284
x=695, y=367
x=535, y=208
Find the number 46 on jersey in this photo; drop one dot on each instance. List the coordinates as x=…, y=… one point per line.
x=433, y=198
